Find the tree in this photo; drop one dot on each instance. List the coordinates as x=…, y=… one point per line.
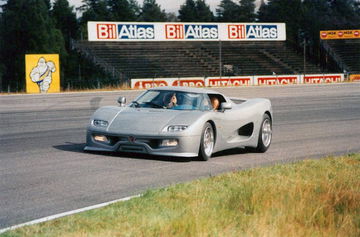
x=288, y=11
x=345, y=13
x=26, y=28
x=122, y=10
x=228, y=11
x=151, y=11
x=187, y=12
x=246, y=11
x=203, y=12
x=171, y=17
x=65, y=20
x=197, y=11
x=94, y=10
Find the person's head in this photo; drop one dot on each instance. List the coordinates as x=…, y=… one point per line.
x=173, y=99
x=215, y=103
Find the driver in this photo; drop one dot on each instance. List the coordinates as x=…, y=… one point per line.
x=172, y=102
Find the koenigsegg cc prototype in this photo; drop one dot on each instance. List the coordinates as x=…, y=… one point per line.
x=181, y=121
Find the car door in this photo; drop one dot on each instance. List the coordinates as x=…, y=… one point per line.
x=227, y=124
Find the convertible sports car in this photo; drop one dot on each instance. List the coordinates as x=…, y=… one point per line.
x=181, y=121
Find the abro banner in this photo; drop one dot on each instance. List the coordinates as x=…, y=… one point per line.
x=176, y=31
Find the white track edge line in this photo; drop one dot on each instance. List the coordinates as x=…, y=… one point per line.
x=53, y=217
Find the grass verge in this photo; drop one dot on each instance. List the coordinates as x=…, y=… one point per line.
x=308, y=198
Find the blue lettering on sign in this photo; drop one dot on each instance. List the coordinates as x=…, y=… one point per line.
x=201, y=31
x=261, y=32
x=135, y=31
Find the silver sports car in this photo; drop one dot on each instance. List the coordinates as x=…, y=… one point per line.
x=181, y=121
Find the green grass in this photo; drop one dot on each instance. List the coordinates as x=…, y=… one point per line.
x=308, y=198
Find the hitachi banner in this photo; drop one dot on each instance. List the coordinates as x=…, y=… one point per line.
x=176, y=31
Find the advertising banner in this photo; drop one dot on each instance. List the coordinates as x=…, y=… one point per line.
x=229, y=81
x=276, y=80
x=322, y=78
x=176, y=31
x=149, y=83
x=355, y=77
x=236, y=81
x=339, y=34
x=42, y=73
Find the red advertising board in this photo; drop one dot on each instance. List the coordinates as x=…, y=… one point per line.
x=189, y=82
x=145, y=84
x=276, y=80
x=231, y=81
x=355, y=77
x=235, y=81
x=323, y=78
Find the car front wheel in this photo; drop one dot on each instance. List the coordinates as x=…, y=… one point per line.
x=207, y=142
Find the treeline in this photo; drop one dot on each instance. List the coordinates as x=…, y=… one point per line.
x=44, y=26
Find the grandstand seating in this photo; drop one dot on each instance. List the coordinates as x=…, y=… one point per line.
x=348, y=51
x=189, y=59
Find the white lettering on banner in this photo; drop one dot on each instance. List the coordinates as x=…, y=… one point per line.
x=106, y=31
x=189, y=83
x=191, y=31
x=280, y=80
x=133, y=31
x=174, y=31
x=149, y=84
x=201, y=31
x=318, y=79
x=236, y=31
x=229, y=82
x=261, y=32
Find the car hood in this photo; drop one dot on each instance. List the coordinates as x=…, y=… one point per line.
x=150, y=121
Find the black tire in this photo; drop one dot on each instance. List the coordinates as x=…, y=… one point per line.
x=265, y=134
x=207, y=142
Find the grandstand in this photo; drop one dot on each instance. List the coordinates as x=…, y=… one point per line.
x=189, y=59
x=346, y=53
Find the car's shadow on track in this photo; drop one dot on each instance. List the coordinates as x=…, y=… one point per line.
x=233, y=151
x=79, y=148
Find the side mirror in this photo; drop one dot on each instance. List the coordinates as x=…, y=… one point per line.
x=122, y=101
x=226, y=106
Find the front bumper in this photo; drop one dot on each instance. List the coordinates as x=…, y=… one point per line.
x=188, y=146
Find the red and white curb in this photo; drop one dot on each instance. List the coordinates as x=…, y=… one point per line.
x=53, y=217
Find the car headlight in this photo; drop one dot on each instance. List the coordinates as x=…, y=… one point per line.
x=100, y=123
x=175, y=128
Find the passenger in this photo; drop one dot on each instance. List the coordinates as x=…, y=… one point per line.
x=215, y=103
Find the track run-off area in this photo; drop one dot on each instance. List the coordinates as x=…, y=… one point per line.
x=44, y=171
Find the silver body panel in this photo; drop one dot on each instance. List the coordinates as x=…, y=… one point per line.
x=140, y=130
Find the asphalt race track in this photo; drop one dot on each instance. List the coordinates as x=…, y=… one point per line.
x=43, y=170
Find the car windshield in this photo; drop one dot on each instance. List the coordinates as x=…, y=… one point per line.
x=175, y=100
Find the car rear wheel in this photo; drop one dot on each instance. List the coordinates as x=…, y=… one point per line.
x=265, y=134
x=207, y=142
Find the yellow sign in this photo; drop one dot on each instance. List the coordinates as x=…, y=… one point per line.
x=339, y=34
x=42, y=73
x=355, y=77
